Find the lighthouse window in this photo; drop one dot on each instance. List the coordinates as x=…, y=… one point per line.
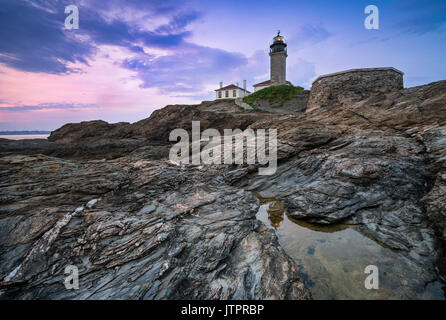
x=226, y=94
x=219, y=94
x=234, y=93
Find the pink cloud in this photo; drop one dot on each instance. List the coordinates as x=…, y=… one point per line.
x=115, y=93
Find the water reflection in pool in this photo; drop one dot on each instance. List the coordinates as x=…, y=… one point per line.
x=332, y=259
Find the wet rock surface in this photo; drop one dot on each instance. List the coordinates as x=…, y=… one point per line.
x=135, y=230
x=160, y=231
x=376, y=165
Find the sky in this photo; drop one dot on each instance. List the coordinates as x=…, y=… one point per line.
x=131, y=57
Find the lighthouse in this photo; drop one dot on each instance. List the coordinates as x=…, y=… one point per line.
x=278, y=55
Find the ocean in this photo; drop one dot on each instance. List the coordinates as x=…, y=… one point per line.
x=24, y=136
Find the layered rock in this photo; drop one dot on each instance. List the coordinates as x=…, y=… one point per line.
x=377, y=163
x=212, y=114
x=90, y=131
x=135, y=230
x=217, y=115
x=435, y=199
x=107, y=148
x=149, y=137
x=369, y=156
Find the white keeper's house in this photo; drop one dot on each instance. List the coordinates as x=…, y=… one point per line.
x=232, y=91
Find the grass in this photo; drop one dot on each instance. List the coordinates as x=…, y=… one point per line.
x=276, y=95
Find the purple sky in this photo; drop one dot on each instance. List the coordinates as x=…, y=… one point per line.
x=131, y=57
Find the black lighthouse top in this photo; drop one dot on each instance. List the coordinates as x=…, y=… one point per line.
x=278, y=44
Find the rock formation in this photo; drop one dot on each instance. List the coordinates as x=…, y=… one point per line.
x=140, y=227
x=101, y=140
x=350, y=86
x=136, y=230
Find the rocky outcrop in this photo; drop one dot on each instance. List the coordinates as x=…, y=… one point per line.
x=108, y=148
x=217, y=115
x=377, y=163
x=135, y=230
x=242, y=105
x=149, y=137
x=435, y=200
x=90, y=131
x=346, y=87
x=394, y=144
x=140, y=228
x=211, y=114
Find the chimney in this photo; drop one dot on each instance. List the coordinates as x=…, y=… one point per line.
x=221, y=84
x=237, y=84
x=244, y=85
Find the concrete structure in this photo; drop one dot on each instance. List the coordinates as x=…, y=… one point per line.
x=231, y=91
x=347, y=87
x=278, y=54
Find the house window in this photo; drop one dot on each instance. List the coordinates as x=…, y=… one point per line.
x=219, y=94
x=234, y=93
x=227, y=94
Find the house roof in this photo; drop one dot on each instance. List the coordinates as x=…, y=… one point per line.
x=231, y=86
x=264, y=83
x=267, y=83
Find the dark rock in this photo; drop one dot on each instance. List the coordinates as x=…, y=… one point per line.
x=217, y=115
x=89, y=131
x=341, y=165
x=135, y=230
x=373, y=158
x=149, y=138
x=435, y=199
x=211, y=114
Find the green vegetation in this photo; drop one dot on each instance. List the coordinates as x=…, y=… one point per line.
x=276, y=95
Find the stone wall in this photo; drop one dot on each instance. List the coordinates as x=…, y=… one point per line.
x=346, y=87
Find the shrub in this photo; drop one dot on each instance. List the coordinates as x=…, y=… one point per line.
x=276, y=95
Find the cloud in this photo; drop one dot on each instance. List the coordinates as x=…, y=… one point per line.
x=178, y=23
x=188, y=69
x=49, y=106
x=35, y=41
x=34, y=38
